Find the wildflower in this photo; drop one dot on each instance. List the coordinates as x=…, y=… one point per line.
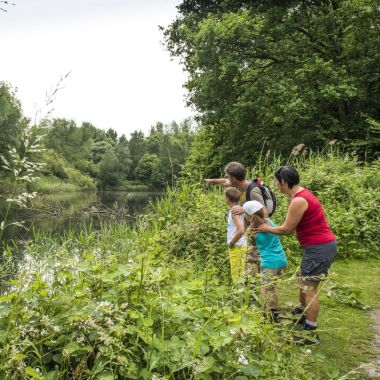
x=155, y=377
x=242, y=359
x=197, y=367
x=233, y=332
x=104, y=304
x=297, y=150
x=45, y=320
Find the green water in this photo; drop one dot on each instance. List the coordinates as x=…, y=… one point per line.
x=61, y=212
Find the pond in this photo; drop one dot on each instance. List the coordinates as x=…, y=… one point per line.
x=61, y=212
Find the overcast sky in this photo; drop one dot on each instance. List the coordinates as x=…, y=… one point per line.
x=121, y=76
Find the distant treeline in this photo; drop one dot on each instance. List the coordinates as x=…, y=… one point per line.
x=88, y=156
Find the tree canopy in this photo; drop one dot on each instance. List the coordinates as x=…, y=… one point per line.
x=273, y=74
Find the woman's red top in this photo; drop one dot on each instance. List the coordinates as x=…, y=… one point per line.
x=313, y=228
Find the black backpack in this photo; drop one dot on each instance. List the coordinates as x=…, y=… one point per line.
x=267, y=194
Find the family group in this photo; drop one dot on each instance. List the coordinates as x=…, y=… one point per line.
x=254, y=245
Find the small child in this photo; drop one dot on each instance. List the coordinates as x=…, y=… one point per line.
x=236, y=239
x=273, y=258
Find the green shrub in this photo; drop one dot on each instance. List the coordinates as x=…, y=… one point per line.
x=52, y=185
x=77, y=178
x=54, y=165
x=104, y=305
x=350, y=195
x=348, y=191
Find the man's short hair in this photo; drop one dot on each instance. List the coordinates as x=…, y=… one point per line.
x=232, y=194
x=236, y=169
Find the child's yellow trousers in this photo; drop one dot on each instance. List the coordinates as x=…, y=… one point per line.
x=238, y=256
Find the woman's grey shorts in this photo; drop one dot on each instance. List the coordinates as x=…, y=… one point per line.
x=317, y=260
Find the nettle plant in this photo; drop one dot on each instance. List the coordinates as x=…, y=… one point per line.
x=23, y=169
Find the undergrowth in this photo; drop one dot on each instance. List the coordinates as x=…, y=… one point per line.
x=155, y=301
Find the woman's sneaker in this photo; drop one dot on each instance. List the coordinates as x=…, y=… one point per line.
x=308, y=336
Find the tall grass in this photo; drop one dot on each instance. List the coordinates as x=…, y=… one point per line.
x=155, y=301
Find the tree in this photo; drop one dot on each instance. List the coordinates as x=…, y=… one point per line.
x=110, y=171
x=148, y=170
x=123, y=155
x=112, y=134
x=272, y=74
x=137, y=147
x=12, y=120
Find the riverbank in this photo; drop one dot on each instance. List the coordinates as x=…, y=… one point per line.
x=51, y=184
x=155, y=301
x=115, y=303
x=46, y=185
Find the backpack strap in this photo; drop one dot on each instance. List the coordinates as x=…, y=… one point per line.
x=250, y=187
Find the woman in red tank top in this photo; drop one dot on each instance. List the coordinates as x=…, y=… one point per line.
x=306, y=217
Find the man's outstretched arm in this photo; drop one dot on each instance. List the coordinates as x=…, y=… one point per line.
x=218, y=181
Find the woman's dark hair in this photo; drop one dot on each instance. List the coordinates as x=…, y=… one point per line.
x=289, y=175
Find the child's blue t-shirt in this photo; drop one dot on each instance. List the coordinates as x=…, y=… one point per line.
x=271, y=250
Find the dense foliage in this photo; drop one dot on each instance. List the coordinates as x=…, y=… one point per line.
x=154, y=302
x=87, y=156
x=11, y=120
x=111, y=160
x=272, y=74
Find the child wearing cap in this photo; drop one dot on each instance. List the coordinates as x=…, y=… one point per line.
x=236, y=239
x=273, y=258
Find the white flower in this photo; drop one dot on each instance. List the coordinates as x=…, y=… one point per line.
x=308, y=352
x=155, y=377
x=242, y=359
x=233, y=332
x=104, y=304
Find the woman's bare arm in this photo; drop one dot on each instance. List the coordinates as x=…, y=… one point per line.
x=297, y=208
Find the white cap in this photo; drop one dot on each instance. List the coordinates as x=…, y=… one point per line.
x=252, y=207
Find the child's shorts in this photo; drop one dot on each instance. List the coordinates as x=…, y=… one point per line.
x=253, y=256
x=269, y=274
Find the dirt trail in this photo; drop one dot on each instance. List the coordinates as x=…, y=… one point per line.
x=374, y=368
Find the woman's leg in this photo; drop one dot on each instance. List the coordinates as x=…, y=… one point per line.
x=309, y=291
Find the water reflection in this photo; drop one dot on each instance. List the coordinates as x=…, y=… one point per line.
x=61, y=212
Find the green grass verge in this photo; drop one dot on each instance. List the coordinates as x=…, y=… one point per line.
x=52, y=185
x=346, y=332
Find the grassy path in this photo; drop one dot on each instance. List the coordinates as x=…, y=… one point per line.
x=347, y=333
x=374, y=370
